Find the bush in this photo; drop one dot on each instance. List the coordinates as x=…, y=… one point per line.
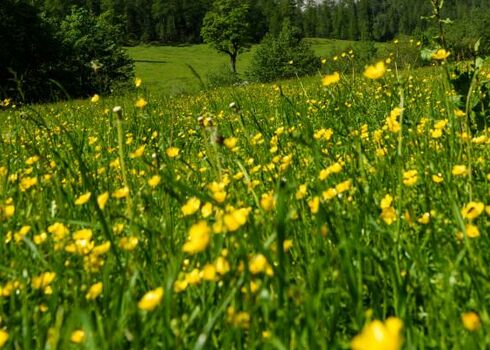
x=92, y=55
x=286, y=56
x=463, y=34
x=41, y=60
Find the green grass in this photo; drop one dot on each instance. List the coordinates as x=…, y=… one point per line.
x=370, y=208
x=164, y=69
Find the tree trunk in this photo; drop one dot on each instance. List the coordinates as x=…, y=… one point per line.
x=233, y=57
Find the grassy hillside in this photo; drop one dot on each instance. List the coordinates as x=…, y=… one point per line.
x=164, y=68
x=343, y=213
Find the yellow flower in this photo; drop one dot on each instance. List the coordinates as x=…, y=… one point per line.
x=207, y=210
x=137, y=82
x=472, y=210
x=388, y=215
x=191, y=206
x=154, y=181
x=437, y=178
x=267, y=201
x=95, y=98
x=172, y=152
x=460, y=170
x=128, y=243
x=94, y=291
x=471, y=321
x=58, y=230
x=40, y=238
x=379, y=336
x=208, y=272
x=329, y=194
x=138, y=152
x=198, y=238
x=314, y=204
x=472, y=231
x=32, y=160
x=102, y=200
x=151, y=299
x=391, y=122
x=84, y=198
x=101, y=248
x=121, y=193
x=343, y=186
x=376, y=71
x=4, y=336
x=287, y=244
x=386, y=202
x=83, y=234
x=459, y=113
x=78, y=336
x=424, y=219
x=27, y=182
x=302, y=192
x=331, y=79
x=24, y=230
x=222, y=265
x=440, y=54
x=193, y=277
x=410, y=177
x=436, y=133
x=236, y=218
x=141, y=103
x=8, y=211
x=43, y=280
x=230, y=142
x=259, y=264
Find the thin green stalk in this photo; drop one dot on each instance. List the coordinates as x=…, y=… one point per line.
x=120, y=143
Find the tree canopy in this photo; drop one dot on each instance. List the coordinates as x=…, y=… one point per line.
x=227, y=29
x=45, y=59
x=178, y=21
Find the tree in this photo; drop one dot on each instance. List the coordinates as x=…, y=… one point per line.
x=226, y=29
x=43, y=60
x=27, y=51
x=284, y=56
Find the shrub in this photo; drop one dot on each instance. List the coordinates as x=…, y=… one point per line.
x=282, y=57
x=92, y=55
x=463, y=34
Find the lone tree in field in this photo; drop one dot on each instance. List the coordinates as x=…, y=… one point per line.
x=226, y=28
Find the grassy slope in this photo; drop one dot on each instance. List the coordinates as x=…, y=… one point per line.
x=348, y=263
x=164, y=68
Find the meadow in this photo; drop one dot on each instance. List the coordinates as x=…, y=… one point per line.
x=165, y=69
x=333, y=212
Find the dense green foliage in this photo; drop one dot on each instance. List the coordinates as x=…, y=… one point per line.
x=94, y=61
x=171, y=21
x=284, y=56
x=43, y=59
x=27, y=49
x=227, y=29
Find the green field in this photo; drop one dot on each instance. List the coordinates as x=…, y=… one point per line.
x=165, y=68
x=348, y=214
